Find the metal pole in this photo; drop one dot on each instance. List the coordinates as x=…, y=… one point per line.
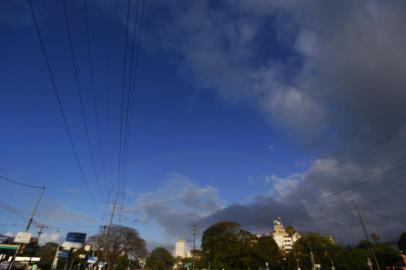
x=332, y=265
x=28, y=226
x=194, y=231
x=371, y=249
x=55, y=261
x=14, y=257
x=35, y=209
x=311, y=256
x=106, y=246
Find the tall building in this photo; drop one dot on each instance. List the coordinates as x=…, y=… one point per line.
x=282, y=238
x=181, y=250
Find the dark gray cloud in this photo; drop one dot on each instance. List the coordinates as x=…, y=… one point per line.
x=177, y=205
x=319, y=198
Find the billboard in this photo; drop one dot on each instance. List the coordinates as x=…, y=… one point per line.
x=74, y=240
x=76, y=237
x=23, y=237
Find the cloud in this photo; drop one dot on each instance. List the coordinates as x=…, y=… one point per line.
x=176, y=205
x=49, y=237
x=52, y=209
x=330, y=73
x=322, y=71
x=319, y=198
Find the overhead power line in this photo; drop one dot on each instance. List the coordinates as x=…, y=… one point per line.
x=20, y=183
x=123, y=97
x=133, y=79
x=346, y=189
x=93, y=87
x=354, y=162
x=60, y=104
x=80, y=93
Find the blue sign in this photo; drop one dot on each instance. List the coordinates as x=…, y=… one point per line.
x=63, y=254
x=92, y=259
x=76, y=237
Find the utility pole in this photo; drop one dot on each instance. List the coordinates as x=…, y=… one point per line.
x=194, y=233
x=106, y=245
x=371, y=249
x=41, y=227
x=56, y=256
x=311, y=256
x=34, y=210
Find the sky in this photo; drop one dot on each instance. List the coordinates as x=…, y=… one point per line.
x=243, y=110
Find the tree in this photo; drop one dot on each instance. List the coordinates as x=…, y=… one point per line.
x=387, y=256
x=375, y=237
x=402, y=242
x=266, y=251
x=290, y=230
x=322, y=247
x=351, y=258
x=220, y=244
x=46, y=253
x=120, y=241
x=160, y=259
x=225, y=245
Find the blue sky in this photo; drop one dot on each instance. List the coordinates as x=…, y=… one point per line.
x=233, y=101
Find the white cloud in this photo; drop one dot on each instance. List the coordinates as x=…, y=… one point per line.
x=292, y=108
x=49, y=237
x=283, y=187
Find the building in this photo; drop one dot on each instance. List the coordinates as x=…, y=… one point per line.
x=181, y=250
x=282, y=238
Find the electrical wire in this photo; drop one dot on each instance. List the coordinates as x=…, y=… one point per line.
x=60, y=104
x=20, y=183
x=132, y=86
x=81, y=101
x=128, y=97
x=93, y=88
x=348, y=188
x=123, y=98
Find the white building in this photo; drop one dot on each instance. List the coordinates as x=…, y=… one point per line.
x=181, y=250
x=282, y=238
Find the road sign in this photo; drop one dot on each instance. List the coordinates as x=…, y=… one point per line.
x=63, y=254
x=92, y=259
x=23, y=237
x=76, y=237
x=27, y=259
x=4, y=246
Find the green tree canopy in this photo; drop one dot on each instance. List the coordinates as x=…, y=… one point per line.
x=265, y=251
x=402, y=242
x=160, y=259
x=375, y=237
x=323, y=249
x=387, y=256
x=120, y=241
x=47, y=253
x=221, y=245
x=290, y=230
x=226, y=245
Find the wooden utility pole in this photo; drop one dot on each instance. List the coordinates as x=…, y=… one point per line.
x=41, y=228
x=371, y=248
x=107, y=234
x=194, y=233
